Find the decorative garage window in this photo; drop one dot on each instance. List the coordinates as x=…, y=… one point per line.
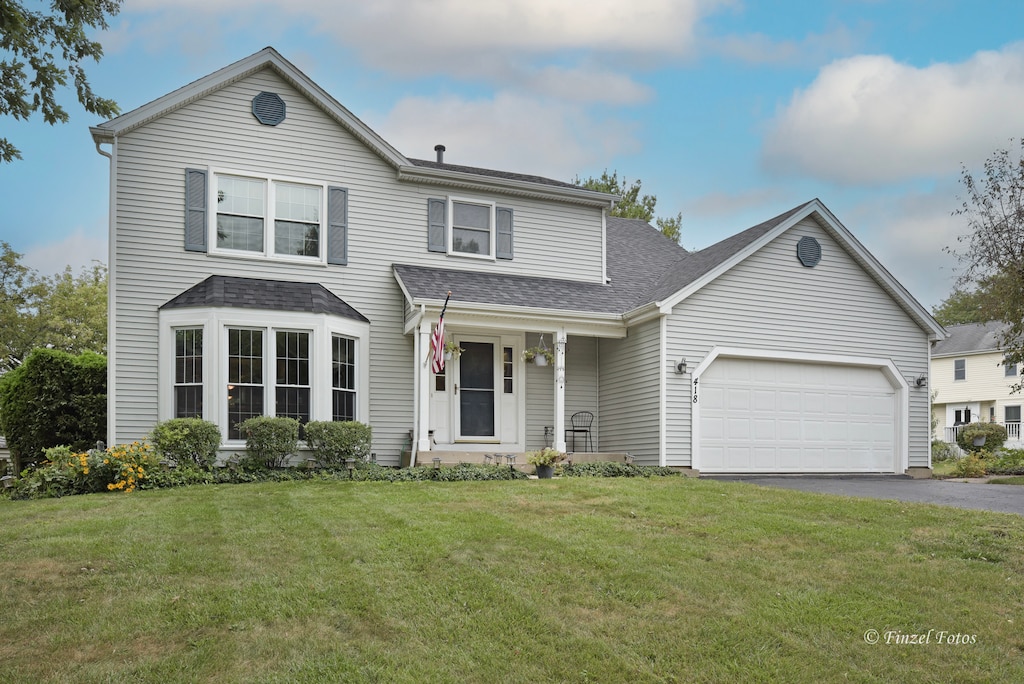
x=960, y=369
x=266, y=216
x=468, y=227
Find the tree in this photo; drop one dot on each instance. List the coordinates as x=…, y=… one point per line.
x=961, y=306
x=992, y=251
x=632, y=204
x=42, y=50
x=63, y=311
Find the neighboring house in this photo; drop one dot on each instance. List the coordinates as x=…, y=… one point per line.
x=270, y=254
x=971, y=382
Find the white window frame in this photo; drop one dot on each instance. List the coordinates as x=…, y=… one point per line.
x=955, y=361
x=493, y=227
x=269, y=216
x=215, y=323
x=1009, y=369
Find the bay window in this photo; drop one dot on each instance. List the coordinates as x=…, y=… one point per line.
x=188, y=373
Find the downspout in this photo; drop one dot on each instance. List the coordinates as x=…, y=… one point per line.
x=111, y=290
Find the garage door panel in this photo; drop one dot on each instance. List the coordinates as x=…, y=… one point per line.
x=777, y=416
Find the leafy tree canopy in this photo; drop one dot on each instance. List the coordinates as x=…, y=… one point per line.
x=991, y=252
x=40, y=51
x=961, y=306
x=633, y=204
x=64, y=311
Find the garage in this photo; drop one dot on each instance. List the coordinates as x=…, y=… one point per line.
x=773, y=416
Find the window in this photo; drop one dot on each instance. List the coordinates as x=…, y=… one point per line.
x=439, y=380
x=472, y=226
x=343, y=378
x=245, y=378
x=188, y=373
x=1011, y=414
x=961, y=417
x=243, y=204
x=291, y=398
x=507, y=367
x=960, y=369
x=1009, y=369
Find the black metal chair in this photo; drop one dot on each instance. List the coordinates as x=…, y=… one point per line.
x=581, y=422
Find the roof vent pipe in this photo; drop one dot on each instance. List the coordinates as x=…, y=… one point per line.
x=440, y=153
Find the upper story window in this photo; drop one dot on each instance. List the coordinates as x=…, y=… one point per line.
x=240, y=214
x=1009, y=369
x=960, y=369
x=469, y=227
x=244, y=203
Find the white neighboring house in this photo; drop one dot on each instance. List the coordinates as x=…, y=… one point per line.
x=270, y=254
x=971, y=382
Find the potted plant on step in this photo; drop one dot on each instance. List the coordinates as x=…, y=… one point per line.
x=544, y=461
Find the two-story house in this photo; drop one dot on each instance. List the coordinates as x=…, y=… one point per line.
x=971, y=382
x=272, y=255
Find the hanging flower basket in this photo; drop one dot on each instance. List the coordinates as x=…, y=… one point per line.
x=540, y=355
x=452, y=349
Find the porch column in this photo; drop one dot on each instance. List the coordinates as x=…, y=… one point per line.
x=423, y=387
x=559, y=441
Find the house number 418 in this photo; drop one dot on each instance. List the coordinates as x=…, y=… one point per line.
x=695, y=381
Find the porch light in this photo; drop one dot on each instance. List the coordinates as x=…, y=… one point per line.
x=681, y=367
x=920, y=380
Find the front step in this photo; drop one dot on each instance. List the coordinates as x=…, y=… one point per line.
x=519, y=458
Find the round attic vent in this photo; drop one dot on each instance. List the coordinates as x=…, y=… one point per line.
x=268, y=108
x=808, y=251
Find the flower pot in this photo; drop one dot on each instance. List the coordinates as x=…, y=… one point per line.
x=540, y=360
x=979, y=441
x=545, y=472
x=447, y=356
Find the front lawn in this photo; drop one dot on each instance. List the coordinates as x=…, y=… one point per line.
x=575, y=580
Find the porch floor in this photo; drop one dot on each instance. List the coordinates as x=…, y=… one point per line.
x=456, y=457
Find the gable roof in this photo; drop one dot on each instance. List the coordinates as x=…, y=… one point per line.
x=269, y=295
x=406, y=169
x=970, y=338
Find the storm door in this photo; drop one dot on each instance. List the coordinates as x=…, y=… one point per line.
x=475, y=390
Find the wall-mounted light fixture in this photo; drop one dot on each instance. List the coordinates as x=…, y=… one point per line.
x=681, y=367
x=920, y=380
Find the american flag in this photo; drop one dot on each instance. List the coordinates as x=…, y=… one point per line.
x=437, y=340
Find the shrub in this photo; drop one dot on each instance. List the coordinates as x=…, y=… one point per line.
x=1008, y=462
x=994, y=434
x=970, y=466
x=612, y=469
x=941, y=451
x=65, y=472
x=270, y=441
x=53, y=398
x=187, y=440
x=333, y=442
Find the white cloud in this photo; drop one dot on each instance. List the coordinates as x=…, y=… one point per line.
x=77, y=250
x=508, y=131
x=872, y=120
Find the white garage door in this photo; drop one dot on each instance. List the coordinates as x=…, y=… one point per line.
x=760, y=416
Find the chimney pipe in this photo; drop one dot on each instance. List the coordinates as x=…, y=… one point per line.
x=440, y=153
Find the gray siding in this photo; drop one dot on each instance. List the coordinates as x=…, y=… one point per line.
x=387, y=224
x=771, y=302
x=630, y=402
x=581, y=389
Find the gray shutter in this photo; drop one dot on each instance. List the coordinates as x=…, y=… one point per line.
x=437, y=225
x=503, y=246
x=195, y=210
x=337, y=226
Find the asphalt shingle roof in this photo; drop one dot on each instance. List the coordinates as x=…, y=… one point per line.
x=970, y=338
x=255, y=293
x=492, y=172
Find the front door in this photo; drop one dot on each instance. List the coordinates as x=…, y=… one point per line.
x=475, y=391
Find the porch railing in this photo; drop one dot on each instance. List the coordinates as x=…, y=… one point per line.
x=1012, y=432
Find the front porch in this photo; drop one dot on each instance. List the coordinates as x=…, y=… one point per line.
x=1013, y=438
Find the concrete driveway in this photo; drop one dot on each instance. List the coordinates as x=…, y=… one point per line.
x=983, y=497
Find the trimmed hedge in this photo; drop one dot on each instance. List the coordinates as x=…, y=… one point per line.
x=54, y=398
x=994, y=434
x=270, y=441
x=612, y=469
x=187, y=441
x=333, y=442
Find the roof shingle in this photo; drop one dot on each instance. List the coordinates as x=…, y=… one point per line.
x=272, y=295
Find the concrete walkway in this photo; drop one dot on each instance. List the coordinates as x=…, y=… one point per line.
x=960, y=494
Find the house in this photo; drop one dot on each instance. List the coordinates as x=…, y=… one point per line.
x=971, y=382
x=271, y=254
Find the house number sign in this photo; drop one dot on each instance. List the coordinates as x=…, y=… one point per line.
x=695, y=381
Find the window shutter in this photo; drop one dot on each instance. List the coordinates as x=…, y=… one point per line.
x=503, y=246
x=437, y=225
x=337, y=226
x=195, y=210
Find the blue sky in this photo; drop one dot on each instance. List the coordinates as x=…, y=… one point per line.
x=731, y=112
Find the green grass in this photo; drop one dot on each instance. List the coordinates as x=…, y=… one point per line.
x=572, y=580
x=1014, y=480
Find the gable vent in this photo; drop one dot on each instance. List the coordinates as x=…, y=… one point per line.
x=808, y=251
x=268, y=108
